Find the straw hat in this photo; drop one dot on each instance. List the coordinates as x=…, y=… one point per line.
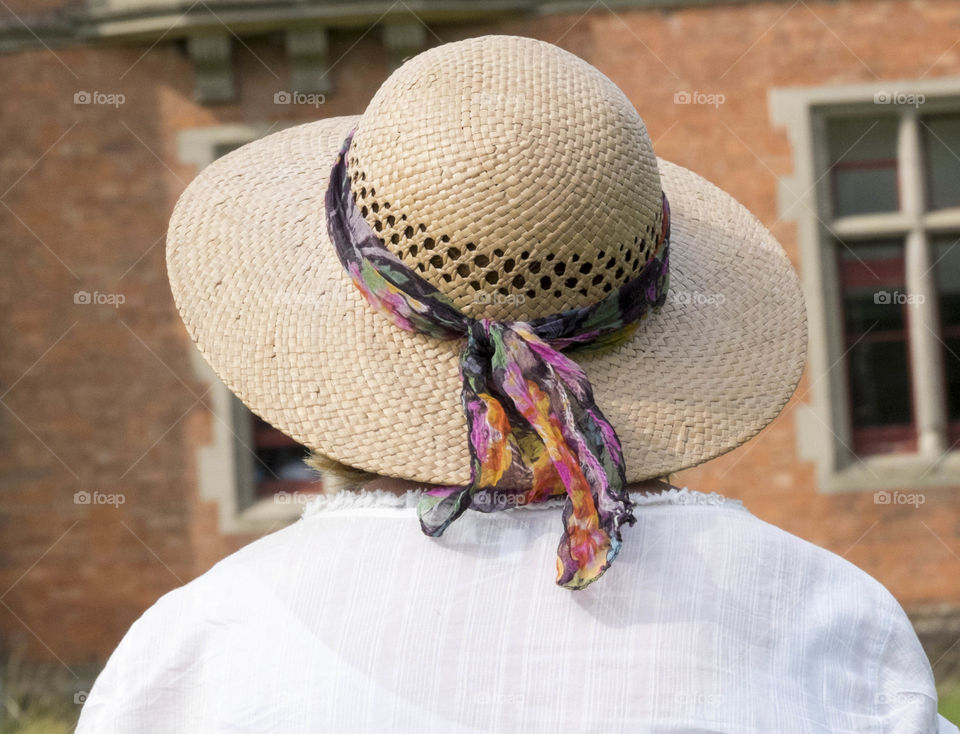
x=521, y=182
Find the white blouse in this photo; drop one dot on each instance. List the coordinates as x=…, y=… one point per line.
x=352, y=620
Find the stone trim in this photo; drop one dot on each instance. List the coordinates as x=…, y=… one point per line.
x=938, y=627
x=224, y=466
x=307, y=54
x=212, y=67
x=403, y=40
x=199, y=146
x=822, y=425
x=146, y=21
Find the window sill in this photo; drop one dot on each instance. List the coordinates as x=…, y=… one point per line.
x=266, y=515
x=895, y=472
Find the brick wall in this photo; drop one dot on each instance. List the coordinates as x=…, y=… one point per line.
x=112, y=404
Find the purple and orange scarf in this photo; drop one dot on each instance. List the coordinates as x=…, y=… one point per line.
x=531, y=416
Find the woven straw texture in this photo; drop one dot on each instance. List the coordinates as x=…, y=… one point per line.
x=268, y=304
x=510, y=173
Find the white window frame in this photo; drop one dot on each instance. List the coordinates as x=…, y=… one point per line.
x=822, y=425
x=224, y=466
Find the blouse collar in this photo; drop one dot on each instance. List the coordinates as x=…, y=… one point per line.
x=377, y=500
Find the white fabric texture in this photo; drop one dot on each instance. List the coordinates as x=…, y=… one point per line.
x=351, y=620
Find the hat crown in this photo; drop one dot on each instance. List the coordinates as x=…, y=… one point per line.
x=510, y=174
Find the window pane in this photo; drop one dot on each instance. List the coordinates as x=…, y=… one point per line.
x=946, y=255
x=878, y=369
x=862, y=138
x=221, y=149
x=864, y=190
x=279, y=460
x=863, y=159
x=942, y=144
x=879, y=389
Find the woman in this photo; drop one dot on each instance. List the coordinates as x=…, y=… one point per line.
x=495, y=253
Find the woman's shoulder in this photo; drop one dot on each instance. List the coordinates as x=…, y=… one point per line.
x=700, y=583
x=708, y=526
x=823, y=570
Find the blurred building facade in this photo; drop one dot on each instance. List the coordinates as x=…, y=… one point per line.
x=128, y=469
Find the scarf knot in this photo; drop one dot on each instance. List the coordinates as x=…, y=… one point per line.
x=478, y=333
x=533, y=427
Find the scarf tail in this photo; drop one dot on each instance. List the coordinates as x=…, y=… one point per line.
x=553, y=396
x=531, y=417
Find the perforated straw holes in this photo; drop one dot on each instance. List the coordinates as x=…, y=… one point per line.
x=694, y=381
x=528, y=273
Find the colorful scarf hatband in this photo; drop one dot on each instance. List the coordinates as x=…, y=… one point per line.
x=531, y=417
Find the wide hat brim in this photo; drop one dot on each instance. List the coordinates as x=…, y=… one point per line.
x=265, y=298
